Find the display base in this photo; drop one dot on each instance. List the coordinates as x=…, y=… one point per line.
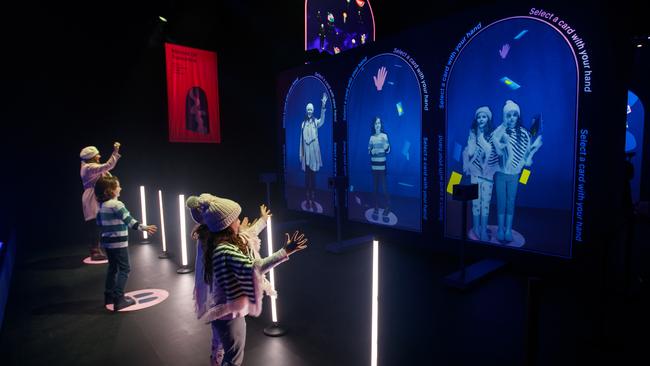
x=184, y=270
x=345, y=245
x=473, y=273
x=164, y=255
x=145, y=241
x=275, y=330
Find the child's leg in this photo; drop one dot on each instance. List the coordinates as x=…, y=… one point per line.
x=111, y=273
x=386, y=196
x=123, y=270
x=511, y=193
x=232, y=334
x=500, y=186
x=217, y=353
x=485, y=192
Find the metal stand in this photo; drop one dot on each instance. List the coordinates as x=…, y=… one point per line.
x=164, y=255
x=466, y=276
x=339, y=184
x=184, y=269
x=275, y=330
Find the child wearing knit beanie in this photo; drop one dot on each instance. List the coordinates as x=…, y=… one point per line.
x=476, y=156
x=230, y=281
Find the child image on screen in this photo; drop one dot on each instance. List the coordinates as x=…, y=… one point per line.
x=476, y=163
x=514, y=150
x=310, y=156
x=378, y=148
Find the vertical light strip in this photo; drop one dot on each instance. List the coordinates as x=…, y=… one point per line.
x=181, y=213
x=162, y=221
x=144, y=210
x=375, y=302
x=269, y=241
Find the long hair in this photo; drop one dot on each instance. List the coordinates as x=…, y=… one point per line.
x=489, y=127
x=372, y=125
x=210, y=241
x=105, y=188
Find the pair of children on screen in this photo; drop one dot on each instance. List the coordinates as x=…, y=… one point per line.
x=495, y=158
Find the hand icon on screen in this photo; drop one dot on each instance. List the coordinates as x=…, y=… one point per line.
x=503, y=52
x=380, y=78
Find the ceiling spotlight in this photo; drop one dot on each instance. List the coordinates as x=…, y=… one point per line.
x=162, y=19
x=639, y=45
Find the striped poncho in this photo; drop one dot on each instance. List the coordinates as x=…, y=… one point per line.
x=237, y=286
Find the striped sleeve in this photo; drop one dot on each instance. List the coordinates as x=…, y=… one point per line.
x=126, y=217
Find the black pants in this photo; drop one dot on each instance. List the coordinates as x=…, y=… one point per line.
x=118, y=272
x=310, y=182
x=379, y=180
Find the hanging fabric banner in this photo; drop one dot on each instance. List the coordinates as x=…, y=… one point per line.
x=192, y=94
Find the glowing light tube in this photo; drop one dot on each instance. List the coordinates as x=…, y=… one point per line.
x=162, y=221
x=375, y=302
x=144, y=210
x=181, y=214
x=269, y=241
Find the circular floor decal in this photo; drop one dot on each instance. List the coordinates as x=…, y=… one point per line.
x=143, y=299
x=87, y=260
x=316, y=207
x=518, y=240
x=380, y=218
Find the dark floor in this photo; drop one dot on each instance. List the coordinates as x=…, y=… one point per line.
x=55, y=315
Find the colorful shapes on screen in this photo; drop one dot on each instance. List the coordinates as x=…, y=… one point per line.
x=357, y=200
x=400, y=109
x=457, y=150
x=521, y=34
x=345, y=17
x=330, y=17
x=405, y=184
x=363, y=38
x=361, y=3
x=510, y=83
x=523, y=178
x=453, y=180
x=351, y=188
x=406, y=148
x=503, y=52
x=337, y=50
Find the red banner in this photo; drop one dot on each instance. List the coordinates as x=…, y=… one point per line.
x=192, y=94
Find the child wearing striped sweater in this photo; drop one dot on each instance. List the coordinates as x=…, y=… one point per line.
x=114, y=221
x=515, y=148
x=233, y=273
x=378, y=149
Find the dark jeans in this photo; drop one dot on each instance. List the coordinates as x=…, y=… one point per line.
x=232, y=334
x=92, y=234
x=379, y=180
x=118, y=272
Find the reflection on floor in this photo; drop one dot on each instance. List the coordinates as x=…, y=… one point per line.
x=55, y=313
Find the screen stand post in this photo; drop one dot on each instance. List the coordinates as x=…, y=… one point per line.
x=339, y=185
x=468, y=275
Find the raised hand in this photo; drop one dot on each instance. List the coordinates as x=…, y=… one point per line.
x=116, y=146
x=324, y=99
x=380, y=78
x=265, y=213
x=295, y=242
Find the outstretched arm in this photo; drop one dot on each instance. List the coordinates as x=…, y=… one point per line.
x=94, y=168
x=321, y=121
